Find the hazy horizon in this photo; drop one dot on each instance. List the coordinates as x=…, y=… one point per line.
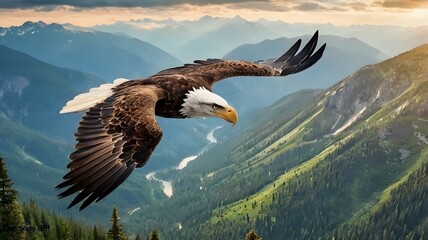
x=337, y=12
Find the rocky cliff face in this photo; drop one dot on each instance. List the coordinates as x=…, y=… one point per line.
x=11, y=87
x=375, y=86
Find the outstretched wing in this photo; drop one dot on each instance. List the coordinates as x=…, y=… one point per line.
x=114, y=137
x=213, y=70
x=290, y=62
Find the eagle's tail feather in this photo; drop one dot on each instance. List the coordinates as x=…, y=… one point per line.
x=96, y=95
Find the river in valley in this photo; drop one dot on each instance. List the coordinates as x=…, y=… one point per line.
x=167, y=185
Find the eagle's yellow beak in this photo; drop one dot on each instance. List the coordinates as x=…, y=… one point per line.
x=229, y=114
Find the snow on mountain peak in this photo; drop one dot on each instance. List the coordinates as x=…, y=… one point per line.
x=30, y=27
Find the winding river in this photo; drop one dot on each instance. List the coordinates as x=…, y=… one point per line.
x=167, y=185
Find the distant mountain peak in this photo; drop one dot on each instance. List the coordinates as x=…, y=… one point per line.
x=206, y=17
x=141, y=20
x=169, y=20
x=27, y=27
x=238, y=20
x=40, y=24
x=267, y=21
x=30, y=27
x=238, y=17
x=74, y=28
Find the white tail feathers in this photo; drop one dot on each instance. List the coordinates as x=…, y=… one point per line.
x=96, y=95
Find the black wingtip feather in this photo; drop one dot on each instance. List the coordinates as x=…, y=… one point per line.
x=290, y=53
x=107, y=186
x=63, y=185
x=117, y=183
x=306, y=52
x=306, y=64
x=295, y=63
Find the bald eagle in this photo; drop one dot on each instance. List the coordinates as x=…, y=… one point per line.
x=119, y=131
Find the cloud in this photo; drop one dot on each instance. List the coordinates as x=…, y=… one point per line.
x=358, y=6
x=261, y=5
x=408, y=4
x=255, y=5
x=49, y=8
x=310, y=6
x=25, y=4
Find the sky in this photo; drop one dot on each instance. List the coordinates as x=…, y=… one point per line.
x=338, y=12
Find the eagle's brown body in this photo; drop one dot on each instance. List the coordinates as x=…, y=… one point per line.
x=177, y=82
x=119, y=132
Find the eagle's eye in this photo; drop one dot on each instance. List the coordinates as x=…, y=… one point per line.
x=215, y=106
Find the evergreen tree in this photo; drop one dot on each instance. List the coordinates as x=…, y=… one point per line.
x=62, y=229
x=10, y=211
x=45, y=222
x=97, y=234
x=155, y=235
x=252, y=236
x=117, y=231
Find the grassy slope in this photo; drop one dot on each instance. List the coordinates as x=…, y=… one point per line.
x=402, y=117
x=309, y=180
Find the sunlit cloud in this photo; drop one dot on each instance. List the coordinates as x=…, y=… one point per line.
x=358, y=6
x=24, y=4
x=282, y=6
x=338, y=12
x=408, y=4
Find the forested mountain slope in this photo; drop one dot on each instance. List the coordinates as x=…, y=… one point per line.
x=351, y=162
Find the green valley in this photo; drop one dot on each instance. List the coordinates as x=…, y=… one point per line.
x=347, y=163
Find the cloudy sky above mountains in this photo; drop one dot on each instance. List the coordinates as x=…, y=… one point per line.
x=338, y=12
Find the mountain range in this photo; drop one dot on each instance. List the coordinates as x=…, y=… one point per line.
x=104, y=55
x=389, y=39
x=208, y=37
x=178, y=37
x=348, y=162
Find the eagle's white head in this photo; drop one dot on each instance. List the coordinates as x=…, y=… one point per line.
x=201, y=102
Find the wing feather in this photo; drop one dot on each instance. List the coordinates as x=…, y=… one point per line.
x=96, y=180
x=91, y=142
x=113, y=138
x=214, y=70
x=89, y=177
x=87, y=170
x=290, y=53
x=304, y=65
x=112, y=183
x=306, y=52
